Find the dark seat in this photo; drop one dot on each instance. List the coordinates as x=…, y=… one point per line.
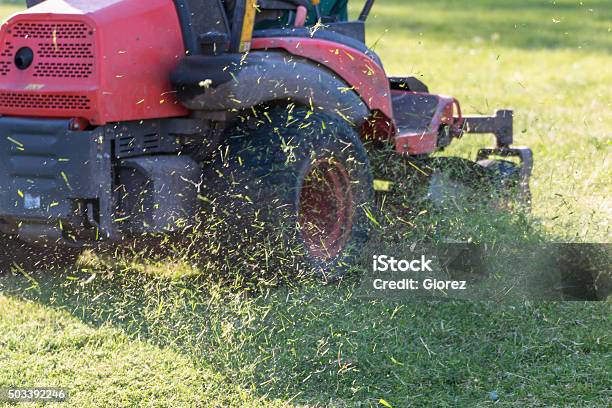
x=200, y=17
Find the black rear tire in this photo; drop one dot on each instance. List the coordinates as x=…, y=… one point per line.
x=293, y=188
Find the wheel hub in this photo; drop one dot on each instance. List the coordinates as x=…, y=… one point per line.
x=326, y=209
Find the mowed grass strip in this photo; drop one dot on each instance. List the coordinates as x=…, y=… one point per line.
x=144, y=338
x=122, y=338
x=41, y=346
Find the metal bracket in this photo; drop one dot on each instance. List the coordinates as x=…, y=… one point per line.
x=501, y=125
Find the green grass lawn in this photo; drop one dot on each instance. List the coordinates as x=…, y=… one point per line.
x=131, y=335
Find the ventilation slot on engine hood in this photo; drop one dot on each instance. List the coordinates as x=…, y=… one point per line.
x=63, y=70
x=43, y=101
x=60, y=31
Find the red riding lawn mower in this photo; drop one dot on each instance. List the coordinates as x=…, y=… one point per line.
x=123, y=118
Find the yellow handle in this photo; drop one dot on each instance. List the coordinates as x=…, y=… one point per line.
x=248, y=25
x=316, y=2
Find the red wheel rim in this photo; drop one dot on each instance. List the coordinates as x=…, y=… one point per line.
x=326, y=209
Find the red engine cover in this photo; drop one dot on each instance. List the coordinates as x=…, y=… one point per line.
x=104, y=60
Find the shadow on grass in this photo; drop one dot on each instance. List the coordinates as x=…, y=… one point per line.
x=321, y=345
